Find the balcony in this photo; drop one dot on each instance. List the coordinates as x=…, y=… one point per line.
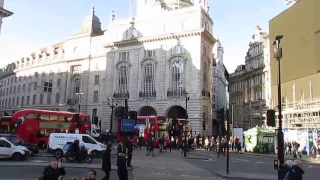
x=206, y=93
x=176, y=93
x=121, y=95
x=147, y=94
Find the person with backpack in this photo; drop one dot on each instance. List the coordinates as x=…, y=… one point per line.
x=296, y=171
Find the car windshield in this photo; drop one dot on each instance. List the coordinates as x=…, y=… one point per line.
x=15, y=140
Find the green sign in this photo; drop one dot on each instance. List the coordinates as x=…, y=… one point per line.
x=55, y=125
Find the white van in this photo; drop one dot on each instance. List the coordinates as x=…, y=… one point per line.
x=9, y=150
x=95, y=131
x=58, y=140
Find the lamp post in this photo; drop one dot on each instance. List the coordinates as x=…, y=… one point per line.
x=112, y=104
x=228, y=135
x=278, y=56
x=185, y=127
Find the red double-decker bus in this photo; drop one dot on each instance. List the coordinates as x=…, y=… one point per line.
x=154, y=126
x=35, y=126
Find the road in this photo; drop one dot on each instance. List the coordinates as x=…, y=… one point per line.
x=246, y=164
x=33, y=173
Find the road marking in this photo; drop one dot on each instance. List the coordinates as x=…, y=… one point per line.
x=243, y=160
x=38, y=161
x=264, y=162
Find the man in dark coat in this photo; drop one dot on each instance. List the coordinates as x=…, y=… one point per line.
x=53, y=171
x=129, y=151
x=106, y=162
x=296, y=172
x=122, y=167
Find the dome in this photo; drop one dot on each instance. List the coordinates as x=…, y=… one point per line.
x=181, y=3
x=91, y=25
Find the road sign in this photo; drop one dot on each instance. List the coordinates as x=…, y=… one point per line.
x=127, y=125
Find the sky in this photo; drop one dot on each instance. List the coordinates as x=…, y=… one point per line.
x=39, y=23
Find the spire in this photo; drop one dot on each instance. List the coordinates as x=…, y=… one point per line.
x=91, y=25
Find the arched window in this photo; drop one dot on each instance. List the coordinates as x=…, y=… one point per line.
x=148, y=81
x=77, y=84
x=134, y=33
x=177, y=49
x=177, y=78
x=123, y=80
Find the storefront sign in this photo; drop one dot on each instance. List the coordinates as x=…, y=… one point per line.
x=266, y=139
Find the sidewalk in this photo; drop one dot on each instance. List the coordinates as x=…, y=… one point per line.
x=246, y=176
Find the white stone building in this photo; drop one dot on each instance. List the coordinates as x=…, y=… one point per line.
x=220, y=84
x=3, y=12
x=154, y=60
x=250, y=85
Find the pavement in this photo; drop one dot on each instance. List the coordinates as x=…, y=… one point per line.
x=245, y=166
x=33, y=173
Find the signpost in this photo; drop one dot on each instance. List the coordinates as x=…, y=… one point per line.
x=127, y=125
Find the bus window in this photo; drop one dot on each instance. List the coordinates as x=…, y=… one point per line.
x=64, y=118
x=88, y=140
x=17, y=124
x=53, y=117
x=45, y=117
x=32, y=116
x=151, y=121
x=162, y=120
x=139, y=121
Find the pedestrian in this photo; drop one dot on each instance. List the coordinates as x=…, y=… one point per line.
x=106, y=162
x=284, y=168
x=122, y=167
x=55, y=171
x=91, y=175
x=129, y=151
x=150, y=146
x=161, y=143
x=296, y=172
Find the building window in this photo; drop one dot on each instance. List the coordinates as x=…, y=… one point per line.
x=205, y=76
x=47, y=87
x=149, y=53
x=177, y=49
x=18, y=101
x=34, y=99
x=148, y=82
x=77, y=86
x=123, y=56
x=14, y=89
x=58, y=98
x=96, y=79
x=177, y=77
x=76, y=69
x=94, y=113
x=24, y=88
x=123, y=80
x=10, y=90
x=22, y=100
x=9, y=102
x=35, y=84
x=95, y=96
x=58, y=82
x=13, y=101
x=41, y=99
x=49, y=99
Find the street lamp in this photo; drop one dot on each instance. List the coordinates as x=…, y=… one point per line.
x=112, y=104
x=185, y=127
x=278, y=56
x=228, y=134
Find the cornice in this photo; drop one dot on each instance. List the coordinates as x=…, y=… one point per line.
x=157, y=38
x=61, y=61
x=5, y=12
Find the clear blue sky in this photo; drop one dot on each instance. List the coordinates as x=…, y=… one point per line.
x=39, y=23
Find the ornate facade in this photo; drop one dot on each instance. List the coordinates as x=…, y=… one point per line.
x=220, y=83
x=250, y=85
x=154, y=60
x=3, y=12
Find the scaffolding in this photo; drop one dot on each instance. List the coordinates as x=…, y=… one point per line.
x=304, y=114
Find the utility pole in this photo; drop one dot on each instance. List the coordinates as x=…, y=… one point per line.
x=185, y=127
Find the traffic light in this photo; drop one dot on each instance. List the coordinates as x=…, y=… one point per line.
x=133, y=115
x=100, y=124
x=181, y=126
x=95, y=120
x=271, y=118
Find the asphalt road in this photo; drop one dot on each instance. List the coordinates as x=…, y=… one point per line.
x=246, y=164
x=33, y=173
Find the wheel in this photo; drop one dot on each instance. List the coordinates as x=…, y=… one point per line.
x=17, y=156
x=88, y=160
x=95, y=153
x=58, y=153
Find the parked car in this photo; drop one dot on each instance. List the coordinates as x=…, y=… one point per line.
x=10, y=150
x=16, y=140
